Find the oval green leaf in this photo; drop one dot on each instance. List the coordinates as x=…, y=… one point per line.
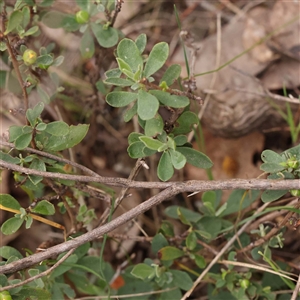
x=118, y=81
x=9, y=201
x=178, y=160
x=11, y=225
x=147, y=105
x=120, y=99
x=154, y=126
x=141, y=42
x=165, y=168
x=23, y=141
x=157, y=58
x=150, y=142
x=58, y=128
x=14, y=21
x=171, y=100
x=44, y=207
x=143, y=271
x=135, y=150
x=172, y=73
x=195, y=158
x=106, y=37
x=185, y=123
x=169, y=253
x=128, y=51
x=87, y=46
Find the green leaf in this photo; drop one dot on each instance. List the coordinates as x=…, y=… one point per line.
x=106, y=37
x=189, y=215
x=154, y=126
x=41, y=126
x=185, y=123
x=23, y=141
x=44, y=207
x=135, y=150
x=53, y=19
x=8, y=158
x=191, y=240
x=6, y=252
x=37, y=164
x=130, y=113
x=150, y=142
x=58, y=61
x=9, y=201
x=165, y=169
x=210, y=224
x=58, y=128
x=128, y=51
x=31, y=31
x=11, y=225
x=141, y=42
x=178, y=160
x=157, y=58
x=170, y=100
x=113, y=73
x=120, y=99
x=14, y=132
x=34, y=113
x=182, y=280
x=158, y=242
x=44, y=61
x=195, y=158
x=237, y=201
x=147, y=105
x=26, y=17
x=180, y=140
x=14, y=21
x=124, y=66
x=142, y=271
x=75, y=136
x=169, y=253
x=271, y=195
x=269, y=156
x=200, y=261
x=119, y=81
x=271, y=167
x=66, y=266
x=134, y=137
x=69, y=23
x=172, y=73
x=87, y=46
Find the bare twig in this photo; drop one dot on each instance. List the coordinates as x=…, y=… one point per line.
x=189, y=186
x=47, y=272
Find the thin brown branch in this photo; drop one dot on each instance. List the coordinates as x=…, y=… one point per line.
x=94, y=234
x=189, y=186
x=45, y=273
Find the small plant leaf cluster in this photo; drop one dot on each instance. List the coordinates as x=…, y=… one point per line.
x=53, y=136
x=284, y=166
x=150, y=103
